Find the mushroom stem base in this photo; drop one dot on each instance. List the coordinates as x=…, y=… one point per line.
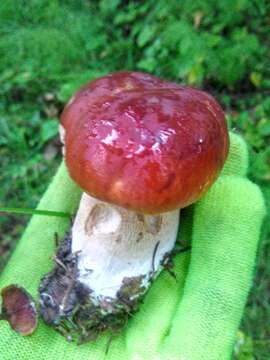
x=67, y=304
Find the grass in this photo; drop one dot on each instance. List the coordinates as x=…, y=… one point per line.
x=47, y=50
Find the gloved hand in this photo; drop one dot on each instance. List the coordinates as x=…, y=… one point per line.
x=193, y=318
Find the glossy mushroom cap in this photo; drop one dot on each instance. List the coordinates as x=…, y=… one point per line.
x=143, y=143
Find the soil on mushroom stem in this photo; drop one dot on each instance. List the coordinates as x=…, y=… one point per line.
x=67, y=305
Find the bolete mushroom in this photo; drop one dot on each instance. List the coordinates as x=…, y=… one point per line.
x=141, y=148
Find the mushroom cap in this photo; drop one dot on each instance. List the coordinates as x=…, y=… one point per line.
x=143, y=143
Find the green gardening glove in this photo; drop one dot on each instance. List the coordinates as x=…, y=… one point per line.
x=193, y=318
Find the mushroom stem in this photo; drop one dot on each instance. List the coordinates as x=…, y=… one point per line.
x=103, y=268
x=114, y=243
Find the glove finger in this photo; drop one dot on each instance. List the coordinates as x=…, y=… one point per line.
x=161, y=309
x=237, y=161
x=150, y=325
x=236, y=164
x=46, y=344
x=225, y=237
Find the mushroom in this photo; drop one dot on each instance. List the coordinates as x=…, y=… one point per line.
x=141, y=148
x=19, y=309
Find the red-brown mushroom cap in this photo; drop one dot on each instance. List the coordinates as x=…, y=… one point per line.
x=19, y=309
x=143, y=143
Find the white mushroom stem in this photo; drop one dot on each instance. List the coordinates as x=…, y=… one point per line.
x=114, y=243
x=62, y=134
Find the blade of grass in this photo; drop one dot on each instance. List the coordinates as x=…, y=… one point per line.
x=27, y=211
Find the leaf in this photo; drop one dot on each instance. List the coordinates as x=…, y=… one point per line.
x=196, y=74
x=256, y=78
x=49, y=129
x=109, y=5
x=243, y=347
x=4, y=131
x=146, y=35
x=264, y=127
x=147, y=64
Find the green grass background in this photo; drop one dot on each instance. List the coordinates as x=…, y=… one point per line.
x=49, y=48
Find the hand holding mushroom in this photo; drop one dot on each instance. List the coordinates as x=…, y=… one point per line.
x=141, y=149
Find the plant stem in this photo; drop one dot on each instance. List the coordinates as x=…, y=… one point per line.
x=27, y=211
